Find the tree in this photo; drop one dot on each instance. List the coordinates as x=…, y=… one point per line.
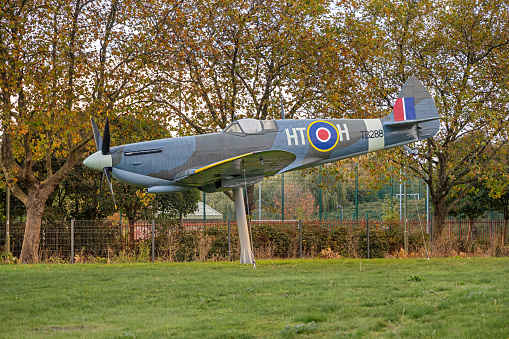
x=60, y=63
x=497, y=185
x=474, y=204
x=299, y=202
x=331, y=191
x=230, y=59
x=460, y=51
x=170, y=206
x=78, y=197
x=501, y=204
x=17, y=210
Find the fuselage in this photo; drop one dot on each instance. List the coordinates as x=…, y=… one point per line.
x=250, y=149
x=313, y=142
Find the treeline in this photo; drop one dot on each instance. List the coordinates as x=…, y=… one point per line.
x=161, y=69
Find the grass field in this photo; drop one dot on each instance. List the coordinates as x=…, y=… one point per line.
x=444, y=298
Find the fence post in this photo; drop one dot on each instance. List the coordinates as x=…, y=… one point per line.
x=153, y=240
x=72, y=241
x=8, y=222
x=431, y=233
x=491, y=229
x=229, y=242
x=300, y=238
x=367, y=227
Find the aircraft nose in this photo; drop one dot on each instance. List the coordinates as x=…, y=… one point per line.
x=98, y=161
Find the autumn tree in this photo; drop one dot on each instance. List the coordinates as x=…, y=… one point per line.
x=239, y=59
x=459, y=50
x=62, y=62
x=78, y=197
x=232, y=59
x=299, y=201
x=497, y=186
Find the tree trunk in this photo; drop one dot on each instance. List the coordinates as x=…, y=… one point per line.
x=470, y=230
x=35, y=208
x=439, y=215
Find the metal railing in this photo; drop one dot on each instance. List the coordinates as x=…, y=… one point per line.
x=177, y=241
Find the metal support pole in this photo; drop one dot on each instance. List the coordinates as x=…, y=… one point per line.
x=367, y=229
x=282, y=197
x=431, y=228
x=300, y=238
x=392, y=191
x=260, y=200
x=491, y=229
x=72, y=241
x=8, y=222
x=400, y=199
x=246, y=254
x=153, y=240
x=356, y=192
x=320, y=193
x=204, y=209
x=428, y=228
x=229, y=241
x=282, y=175
x=405, y=224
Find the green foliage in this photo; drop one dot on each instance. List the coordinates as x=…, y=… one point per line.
x=389, y=213
x=474, y=203
x=81, y=196
x=455, y=48
x=8, y=258
x=278, y=238
x=17, y=209
x=283, y=241
x=170, y=206
x=54, y=78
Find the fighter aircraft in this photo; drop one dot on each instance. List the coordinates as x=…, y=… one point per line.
x=248, y=150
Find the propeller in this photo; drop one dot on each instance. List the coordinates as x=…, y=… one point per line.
x=101, y=160
x=97, y=135
x=105, y=147
x=107, y=172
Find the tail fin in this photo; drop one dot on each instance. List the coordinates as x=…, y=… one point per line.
x=415, y=106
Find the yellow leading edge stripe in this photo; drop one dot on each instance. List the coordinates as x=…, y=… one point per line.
x=221, y=162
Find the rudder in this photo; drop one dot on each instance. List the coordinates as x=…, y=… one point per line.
x=415, y=106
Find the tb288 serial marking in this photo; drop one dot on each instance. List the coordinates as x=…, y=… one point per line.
x=376, y=133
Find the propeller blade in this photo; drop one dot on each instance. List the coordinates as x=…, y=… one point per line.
x=107, y=171
x=97, y=135
x=100, y=186
x=106, y=138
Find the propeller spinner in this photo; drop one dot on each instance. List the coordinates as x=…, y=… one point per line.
x=102, y=160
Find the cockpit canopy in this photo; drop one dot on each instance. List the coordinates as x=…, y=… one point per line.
x=251, y=126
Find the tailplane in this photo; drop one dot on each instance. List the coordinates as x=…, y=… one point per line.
x=415, y=106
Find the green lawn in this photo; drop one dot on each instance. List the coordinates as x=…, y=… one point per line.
x=446, y=298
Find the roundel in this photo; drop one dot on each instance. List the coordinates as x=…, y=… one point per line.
x=322, y=135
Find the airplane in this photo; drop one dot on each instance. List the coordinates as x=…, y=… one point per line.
x=248, y=150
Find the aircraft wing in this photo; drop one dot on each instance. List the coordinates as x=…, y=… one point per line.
x=237, y=171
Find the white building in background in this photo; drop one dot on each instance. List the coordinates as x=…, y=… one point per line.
x=210, y=213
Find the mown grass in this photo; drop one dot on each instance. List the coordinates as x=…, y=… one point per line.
x=445, y=298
